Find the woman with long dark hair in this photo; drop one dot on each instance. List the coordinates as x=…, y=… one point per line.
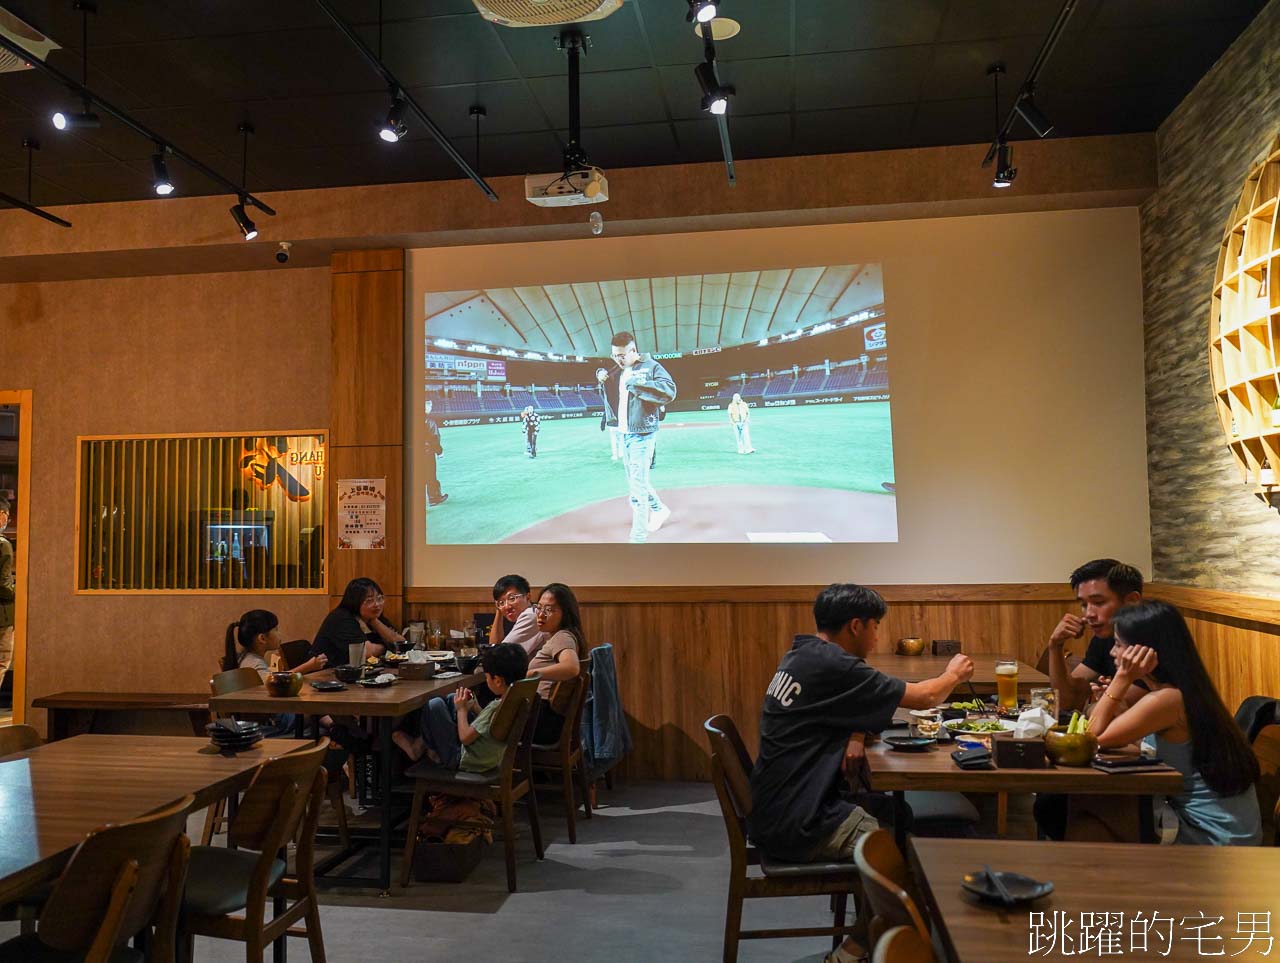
x=558, y=660
x=357, y=618
x=1186, y=719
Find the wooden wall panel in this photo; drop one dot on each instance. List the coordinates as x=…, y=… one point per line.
x=367, y=361
x=687, y=653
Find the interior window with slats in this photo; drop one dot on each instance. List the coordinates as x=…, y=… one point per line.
x=206, y=513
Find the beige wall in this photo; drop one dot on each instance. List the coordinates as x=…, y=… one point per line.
x=195, y=353
x=1017, y=379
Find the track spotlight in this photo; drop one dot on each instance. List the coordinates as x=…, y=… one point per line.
x=394, y=127
x=1005, y=171
x=247, y=227
x=715, y=95
x=701, y=11
x=1035, y=118
x=84, y=120
x=161, y=182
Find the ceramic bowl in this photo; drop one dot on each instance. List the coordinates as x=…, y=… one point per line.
x=910, y=646
x=284, y=683
x=347, y=673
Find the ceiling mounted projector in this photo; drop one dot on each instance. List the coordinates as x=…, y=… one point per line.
x=569, y=189
x=544, y=13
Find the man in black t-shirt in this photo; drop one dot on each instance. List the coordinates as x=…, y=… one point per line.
x=1103, y=586
x=821, y=704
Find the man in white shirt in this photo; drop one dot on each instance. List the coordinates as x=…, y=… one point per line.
x=512, y=604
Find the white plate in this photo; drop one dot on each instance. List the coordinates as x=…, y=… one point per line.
x=951, y=724
x=439, y=654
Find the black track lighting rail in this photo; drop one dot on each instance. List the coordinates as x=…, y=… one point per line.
x=376, y=63
x=12, y=201
x=722, y=120
x=84, y=93
x=1033, y=75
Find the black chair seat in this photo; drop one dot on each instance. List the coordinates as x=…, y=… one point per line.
x=929, y=807
x=218, y=880
x=779, y=868
x=454, y=777
x=29, y=949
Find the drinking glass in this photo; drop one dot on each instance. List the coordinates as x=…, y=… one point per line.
x=1007, y=684
x=928, y=726
x=1046, y=699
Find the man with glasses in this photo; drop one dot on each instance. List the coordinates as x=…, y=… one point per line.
x=515, y=619
x=634, y=394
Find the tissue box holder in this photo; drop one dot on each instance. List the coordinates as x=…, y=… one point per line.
x=1019, y=753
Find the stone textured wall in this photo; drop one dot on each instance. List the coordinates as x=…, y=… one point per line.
x=1207, y=528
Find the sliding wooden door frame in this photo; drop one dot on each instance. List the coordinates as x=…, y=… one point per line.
x=21, y=398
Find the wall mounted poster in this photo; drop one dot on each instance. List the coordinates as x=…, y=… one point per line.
x=362, y=513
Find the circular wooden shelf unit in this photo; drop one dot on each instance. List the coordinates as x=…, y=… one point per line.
x=1244, y=328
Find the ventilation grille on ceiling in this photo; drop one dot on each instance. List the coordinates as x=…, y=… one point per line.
x=544, y=13
x=28, y=37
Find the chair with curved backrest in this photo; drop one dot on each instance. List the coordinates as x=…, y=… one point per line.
x=1266, y=746
x=232, y=680
x=282, y=804
x=295, y=653
x=730, y=770
x=18, y=738
x=121, y=879
x=887, y=884
x=565, y=757
x=514, y=724
x=903, y=944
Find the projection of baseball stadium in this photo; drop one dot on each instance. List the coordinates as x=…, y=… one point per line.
x=748, y=407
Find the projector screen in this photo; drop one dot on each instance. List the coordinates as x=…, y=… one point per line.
x=749, y=407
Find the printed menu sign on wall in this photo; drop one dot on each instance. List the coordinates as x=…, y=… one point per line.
x=362, y=513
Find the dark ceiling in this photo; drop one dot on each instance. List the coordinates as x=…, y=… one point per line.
x=813, y=76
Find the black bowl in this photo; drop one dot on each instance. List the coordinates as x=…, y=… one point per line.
x=949, y=713
x=467, y=664
x=347, y=673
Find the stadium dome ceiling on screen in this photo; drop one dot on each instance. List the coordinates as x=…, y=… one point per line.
x=667, y=314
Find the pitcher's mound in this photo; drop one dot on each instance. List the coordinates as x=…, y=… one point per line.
x=733, y=513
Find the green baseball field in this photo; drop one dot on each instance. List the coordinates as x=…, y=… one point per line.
x=819, y=473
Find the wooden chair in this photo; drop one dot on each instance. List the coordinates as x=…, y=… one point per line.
x=18, y=739
x=512, y=780
x=233, y=680
x=887, y=883
x=281, y=804
x=730, y=768
x=121, y=880
x=565, y=757
x=295, y=653
x=1266, y=746
x=903, y=944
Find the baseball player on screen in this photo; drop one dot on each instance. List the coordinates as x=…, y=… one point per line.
x=633, y=393
x=532, y=425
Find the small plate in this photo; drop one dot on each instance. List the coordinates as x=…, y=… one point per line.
x=1022, y=889
x=332, y=685
x=375, y=684
x=909, y=743
x=448, y=675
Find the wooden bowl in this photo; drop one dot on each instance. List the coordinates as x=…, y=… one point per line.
x=1074, y=749
x=284, y=683
x=910, y=646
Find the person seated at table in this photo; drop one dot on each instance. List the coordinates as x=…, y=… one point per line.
x=1102, y=586
x=558, y=659
x=1185, y=718
x=819, y=709
x=449, y=737
x=357, y=618
x=515, y=618
x=252, y=638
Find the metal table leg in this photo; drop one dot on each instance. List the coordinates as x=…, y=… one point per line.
x=385, y=725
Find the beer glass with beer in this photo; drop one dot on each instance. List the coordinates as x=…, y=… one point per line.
x=1007, y=683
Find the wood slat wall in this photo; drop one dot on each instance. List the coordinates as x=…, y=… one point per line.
x=685, y=653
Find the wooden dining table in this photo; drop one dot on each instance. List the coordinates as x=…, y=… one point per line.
x=1200, y=901
x=381, y=705
x=934, y=769
x=918, y=668
x=52, y=796
x=134, y=713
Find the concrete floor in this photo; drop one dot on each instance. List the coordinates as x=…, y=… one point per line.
x=645, y=883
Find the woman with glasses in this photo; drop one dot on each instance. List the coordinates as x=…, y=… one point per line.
x=358, y=618
x=558, y=658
